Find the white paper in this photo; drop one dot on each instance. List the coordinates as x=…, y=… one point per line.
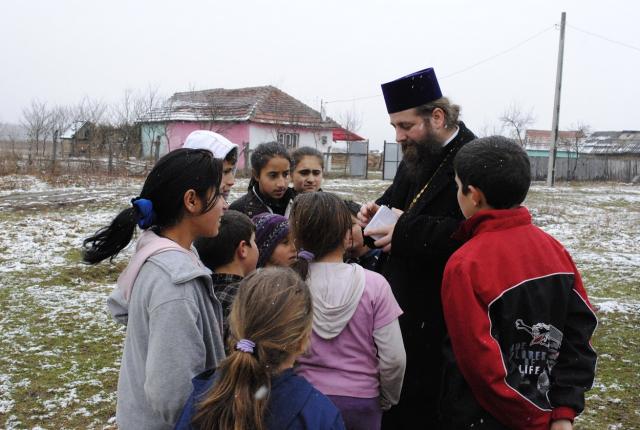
x=383, y=217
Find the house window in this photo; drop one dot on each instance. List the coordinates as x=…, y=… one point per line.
x=289, y=140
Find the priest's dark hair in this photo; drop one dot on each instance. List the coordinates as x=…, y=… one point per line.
x=451, y=111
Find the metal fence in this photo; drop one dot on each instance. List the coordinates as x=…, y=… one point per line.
x=392, y=157
x=588, y=168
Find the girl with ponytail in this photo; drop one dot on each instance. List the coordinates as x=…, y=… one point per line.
x=165, y=296
x=356, y=356
x=255, y=387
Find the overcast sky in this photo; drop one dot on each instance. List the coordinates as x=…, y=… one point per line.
x=59, y=51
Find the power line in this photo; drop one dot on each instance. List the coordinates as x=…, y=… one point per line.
x=626, y=45
x=459, y=71
x=506, y=51
x=353, y=100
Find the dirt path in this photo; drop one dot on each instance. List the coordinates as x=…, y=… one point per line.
x=62, y=197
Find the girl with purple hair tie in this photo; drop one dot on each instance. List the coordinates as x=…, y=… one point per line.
x=356, y=356
x=255, y=387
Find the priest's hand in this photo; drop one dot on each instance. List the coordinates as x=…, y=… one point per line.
x=367, y=211
x=387, y=234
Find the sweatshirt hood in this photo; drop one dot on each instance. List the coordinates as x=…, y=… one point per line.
x=148, y=245
x=336, y=289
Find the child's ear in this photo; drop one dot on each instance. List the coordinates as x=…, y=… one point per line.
x=191, y=201
x=347, y=242
x=476, y=195
x=241, y=249
x=254, y=174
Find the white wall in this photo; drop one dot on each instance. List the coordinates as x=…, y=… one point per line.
x=261, y=133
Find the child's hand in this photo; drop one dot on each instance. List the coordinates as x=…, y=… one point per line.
x=561, y=425
x=385, y=405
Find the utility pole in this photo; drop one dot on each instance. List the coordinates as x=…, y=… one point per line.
x=556, y=107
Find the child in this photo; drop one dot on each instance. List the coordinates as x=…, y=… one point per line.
x=231, y=256
x=517, y=314
x=356, y=356
x=165, y=296
x=274, y=241
x=222, y=149
x=255, y=387
x=358, y=252
x=269, y=185
x=307, y=169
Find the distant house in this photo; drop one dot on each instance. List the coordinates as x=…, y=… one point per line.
x=538, y=142
x=603, y=155
x=76, y=138
x=246, y=116
x=613, y=144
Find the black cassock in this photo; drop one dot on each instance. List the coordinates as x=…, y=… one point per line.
x=420, y=248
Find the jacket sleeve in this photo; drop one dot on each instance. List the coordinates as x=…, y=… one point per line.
x=574, y=372
x=477, y=354
x=424, y=236
x=385, y=199
x=118, y=306
x=176, y=353
x=392, y=361
x=239, y=204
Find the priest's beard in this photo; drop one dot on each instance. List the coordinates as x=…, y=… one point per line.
x=419, y=155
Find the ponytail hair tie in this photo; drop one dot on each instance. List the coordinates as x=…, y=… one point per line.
x=146, y=215
x=245, y=345
x=306, y=255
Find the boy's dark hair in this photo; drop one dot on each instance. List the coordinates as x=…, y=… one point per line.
x=496, y=165
x=305, y=151
x=172, y=175
x=220, y=250
x=261, y=156
x=353, y=207
x=319, y=223
x=232, y=156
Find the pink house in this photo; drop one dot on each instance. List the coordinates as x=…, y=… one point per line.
x=246, y=116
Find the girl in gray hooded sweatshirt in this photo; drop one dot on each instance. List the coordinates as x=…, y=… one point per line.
x=356, y=356
x=165, y=295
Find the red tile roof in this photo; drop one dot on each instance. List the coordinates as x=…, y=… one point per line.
x=544, y=136
x=266, y=105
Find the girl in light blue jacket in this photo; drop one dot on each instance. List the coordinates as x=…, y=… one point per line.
x=165, y=296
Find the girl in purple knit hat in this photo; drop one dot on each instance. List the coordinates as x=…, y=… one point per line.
x=273, y=238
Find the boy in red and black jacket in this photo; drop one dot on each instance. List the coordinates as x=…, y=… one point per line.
x=518, y=317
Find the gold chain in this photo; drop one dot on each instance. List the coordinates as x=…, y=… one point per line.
x=415, y=199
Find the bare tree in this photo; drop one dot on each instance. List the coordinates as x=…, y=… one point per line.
x=35, y=120
x=351, y=120
x=581, y=130
x=59, y=123
x=517, y=121
x=154, y=126
x=490, y=129
x=125, y=114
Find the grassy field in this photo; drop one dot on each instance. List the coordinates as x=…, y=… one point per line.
x=60, y=351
